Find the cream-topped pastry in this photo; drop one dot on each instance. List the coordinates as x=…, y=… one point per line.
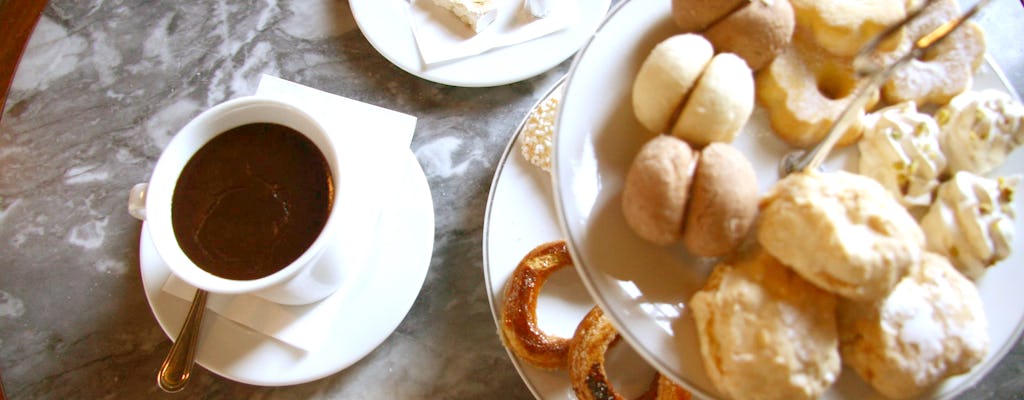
x=979, y=129
x=900, y=149
x=971, y=221
x=930, y=327
x=475, y=13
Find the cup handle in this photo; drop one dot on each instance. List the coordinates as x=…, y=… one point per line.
x=137, y=201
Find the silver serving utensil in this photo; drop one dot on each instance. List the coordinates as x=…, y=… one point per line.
x=802, y=160
x=538, y=8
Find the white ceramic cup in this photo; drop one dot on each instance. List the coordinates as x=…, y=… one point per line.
x=310, y=277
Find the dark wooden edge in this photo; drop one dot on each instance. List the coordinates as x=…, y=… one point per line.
x=18, y=17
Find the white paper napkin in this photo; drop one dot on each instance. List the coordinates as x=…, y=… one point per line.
x=384, y=134
x=441, y=36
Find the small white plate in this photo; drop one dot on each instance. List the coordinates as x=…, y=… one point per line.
x=520, y=216
x=645, y=288
x=369, y=314
x=385, y=25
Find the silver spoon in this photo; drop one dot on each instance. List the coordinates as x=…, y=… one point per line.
x=802, y=160
x=175, y=371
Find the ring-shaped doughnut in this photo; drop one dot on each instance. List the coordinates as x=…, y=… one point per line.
x=594, y=335
x=519, y=310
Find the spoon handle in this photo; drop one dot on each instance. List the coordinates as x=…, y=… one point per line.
x=174, y=372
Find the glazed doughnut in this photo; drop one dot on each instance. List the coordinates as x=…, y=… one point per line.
x=843, y=27
x=804, y=90
x=943, y=72
x=594, y=335
x=519, y=311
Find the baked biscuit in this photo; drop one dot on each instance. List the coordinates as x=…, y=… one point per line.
x=805, y=89
x=666, y=77
x=841, y=231
x=843, y=27
x=943, y=72
x=765, y=332
x=656, y=189
x=932, y=326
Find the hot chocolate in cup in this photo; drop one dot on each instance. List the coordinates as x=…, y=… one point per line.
x=246, y=197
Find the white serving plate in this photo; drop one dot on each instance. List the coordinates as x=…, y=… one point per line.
x=645, y=288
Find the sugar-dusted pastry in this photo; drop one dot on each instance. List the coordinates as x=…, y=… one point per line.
x=478, y=14
x=946, y=70
x=656, y=189
x=932, y=326
x=972, y=221
x=900, y=149
x=804, y=90
x=979, y=129
x=765, y=332
x=841, y=231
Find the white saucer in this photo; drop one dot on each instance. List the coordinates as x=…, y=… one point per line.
x=373, y=308
x=385, y=25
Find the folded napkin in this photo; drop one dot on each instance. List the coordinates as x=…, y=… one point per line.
x=441, y=36
x=384, y=134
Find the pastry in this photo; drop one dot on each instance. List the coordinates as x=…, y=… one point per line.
x=765, y=332
x=539, y=132
x=946, y=70
x=932, y=326
x=594, y=335
x=900, y=149
x=980, y=129
x=756, y=32
x=478, y=14
x=722, y=203
x=841, y=231
x=665, y=78
x=519, y=329
x=719, y=104
x=972, y=221
x=698, y=15
x=843, y=27
x=656, y=189
x=804, y=90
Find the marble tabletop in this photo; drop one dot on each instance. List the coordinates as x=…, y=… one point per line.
x=100, y=91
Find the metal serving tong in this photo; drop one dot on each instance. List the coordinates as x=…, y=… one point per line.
x=875, y=75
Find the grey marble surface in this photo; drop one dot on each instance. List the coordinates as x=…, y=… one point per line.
x=101, y=90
